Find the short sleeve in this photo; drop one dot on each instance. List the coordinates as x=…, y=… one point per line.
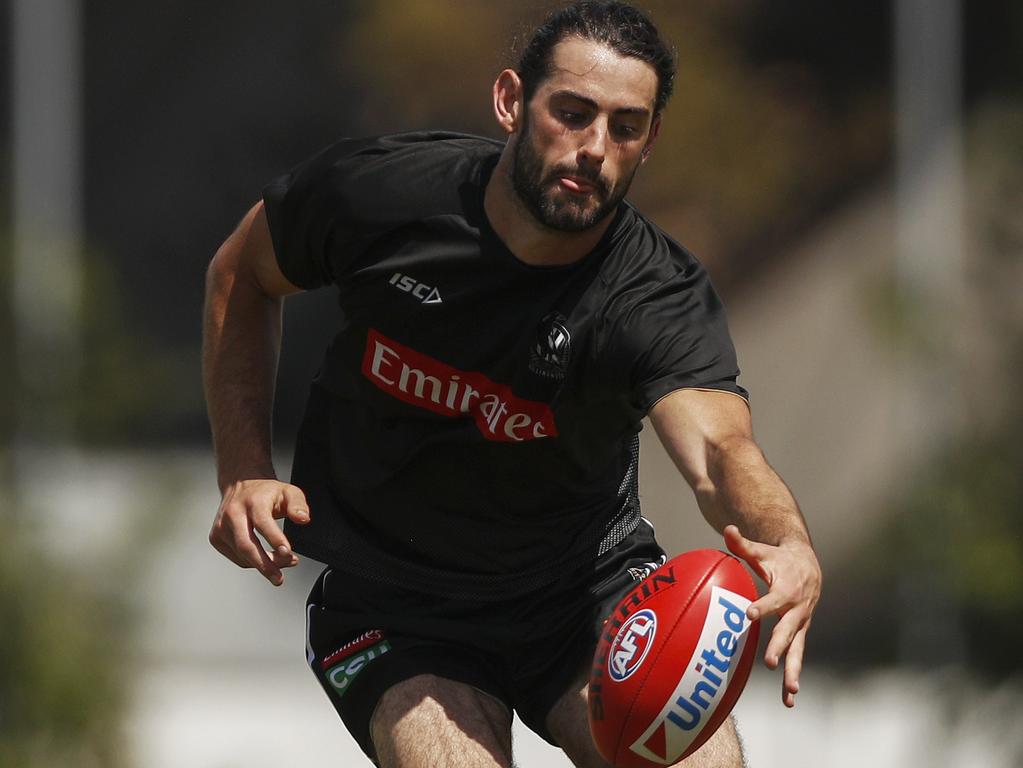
x=329, y=211
x=311, y=217
x=676, y=337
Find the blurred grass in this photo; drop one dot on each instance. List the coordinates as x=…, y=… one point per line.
x=71, y=608
x=62, y=662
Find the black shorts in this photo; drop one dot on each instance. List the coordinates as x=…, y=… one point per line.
x=364, y=637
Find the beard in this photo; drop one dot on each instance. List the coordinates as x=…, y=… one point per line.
x=554, y=207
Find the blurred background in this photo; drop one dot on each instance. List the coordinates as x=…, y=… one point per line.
x=851, y=173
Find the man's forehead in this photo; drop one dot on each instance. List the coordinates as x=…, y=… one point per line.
x=598, y=72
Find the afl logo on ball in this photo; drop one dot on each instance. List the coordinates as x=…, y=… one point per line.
x=548, y=357
x=631, y=644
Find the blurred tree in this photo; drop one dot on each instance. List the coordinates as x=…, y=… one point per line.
x=757, y=145
x=963, y=517
x=942, y=583
x=133, y=389
x=428, y=64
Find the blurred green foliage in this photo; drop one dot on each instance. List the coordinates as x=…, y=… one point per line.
x=62, y=663
x=132, y=388
x=128, y=389
x=963, y=517
x=942, y=581
x=962, y=526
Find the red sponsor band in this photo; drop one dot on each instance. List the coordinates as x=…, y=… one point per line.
x=425, y=382
x=353, y=646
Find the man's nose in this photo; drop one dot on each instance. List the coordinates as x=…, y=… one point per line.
x=594, y=145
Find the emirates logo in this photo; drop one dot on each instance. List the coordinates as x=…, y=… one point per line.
x=427, y=383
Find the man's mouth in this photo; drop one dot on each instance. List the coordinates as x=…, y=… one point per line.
x=577, y=184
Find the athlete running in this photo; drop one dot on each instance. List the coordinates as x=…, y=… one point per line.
x=467, y=466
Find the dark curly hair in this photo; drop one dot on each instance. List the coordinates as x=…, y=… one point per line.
x=624, y=29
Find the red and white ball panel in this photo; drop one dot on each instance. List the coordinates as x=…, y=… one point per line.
x=675, y=655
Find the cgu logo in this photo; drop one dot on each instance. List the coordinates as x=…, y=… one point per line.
x=631, y=645
x=699, y=691
x=421, y=291
x=341, y=675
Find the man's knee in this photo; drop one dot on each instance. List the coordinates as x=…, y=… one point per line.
x=569, y=724
x=722, y=750
x=431, y=721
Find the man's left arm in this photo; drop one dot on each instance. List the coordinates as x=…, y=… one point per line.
x=709, y=436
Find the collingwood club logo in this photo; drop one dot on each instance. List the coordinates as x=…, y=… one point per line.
x=550, y=353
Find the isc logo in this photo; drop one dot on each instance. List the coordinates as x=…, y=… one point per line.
x=421, y=291
x=631, y=644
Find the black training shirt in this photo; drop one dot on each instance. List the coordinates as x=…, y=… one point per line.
x=474, y=425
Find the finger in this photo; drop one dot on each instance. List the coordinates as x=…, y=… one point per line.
x=788, y=699
x=746, y=549
x=264, y=524
x=266, y=565
x=223, y=537
x=280, y=547
x=793, y=666
x=294, y=505
x=284, y=559
x=250, y=549
x=776, y=601
x=781, y=638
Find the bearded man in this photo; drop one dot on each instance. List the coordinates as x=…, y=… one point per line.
x=467, y=466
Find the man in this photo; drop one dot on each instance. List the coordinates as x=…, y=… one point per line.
x=467, y=464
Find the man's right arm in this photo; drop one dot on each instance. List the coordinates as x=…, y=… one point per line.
x=241, y=342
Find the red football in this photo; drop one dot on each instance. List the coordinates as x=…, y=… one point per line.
x=673, y=659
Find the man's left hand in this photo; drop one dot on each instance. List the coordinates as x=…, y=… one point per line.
x=793, y=577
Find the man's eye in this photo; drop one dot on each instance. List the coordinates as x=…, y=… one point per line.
x=627, y=131
x=571, y=117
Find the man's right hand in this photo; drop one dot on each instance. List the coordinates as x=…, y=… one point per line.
x=251, y=507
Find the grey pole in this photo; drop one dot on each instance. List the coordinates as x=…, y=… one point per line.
x=47, y=219
x=930, y=275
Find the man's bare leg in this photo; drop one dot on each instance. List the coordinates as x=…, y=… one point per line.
x=568, y=724
x=429, y=722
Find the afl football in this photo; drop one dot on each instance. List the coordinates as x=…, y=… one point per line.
x=673, y=658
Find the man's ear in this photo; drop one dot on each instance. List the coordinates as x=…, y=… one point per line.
x=508, y=106
x=655, y=129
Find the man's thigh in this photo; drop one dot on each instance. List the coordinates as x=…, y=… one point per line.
x=569, y=724
x=432, y=722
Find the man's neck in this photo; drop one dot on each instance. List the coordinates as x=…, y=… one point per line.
x=529, y=240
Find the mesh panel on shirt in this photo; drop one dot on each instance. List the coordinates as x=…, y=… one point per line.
x=629, y=513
